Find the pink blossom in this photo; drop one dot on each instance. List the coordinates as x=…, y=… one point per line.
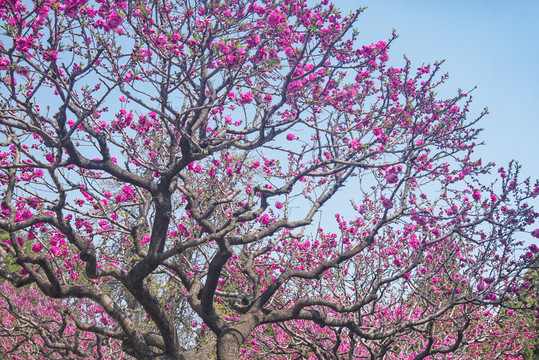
x=128, y=191
x=476, y=195
x=54, y=250
x=481, y=286
x=392, y=178
x=114, y=20
x=276, y=19
x=246, y=98
x=72, y=7
x=407, y=276
x=387, y=203
x=279, y=205
x=264, y=219
x=259, y=10
x=535, y=233
x=290, y=137
x=50, y=55
x=253, y=41
x=290, y=52
x=4, y=63
x=37, y=247
x=183, y=230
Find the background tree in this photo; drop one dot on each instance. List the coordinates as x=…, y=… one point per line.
x=162, y=154
x=530, y=350
x=36, y=327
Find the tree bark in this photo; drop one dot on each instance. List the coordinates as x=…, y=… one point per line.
x=228, y=345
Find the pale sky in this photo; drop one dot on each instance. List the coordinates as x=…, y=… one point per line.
x=493, y=45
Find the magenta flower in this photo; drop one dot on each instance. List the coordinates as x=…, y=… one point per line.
x=253, y=41
x=481, y=286
x=276, y=19
x=407, y=276
x=392, y=178
x=387, y=204
x=476, y=196
x=535, y=233
x=72, y=7
x=37, y=247
x=290, y=137
x=50, y=55
x=264, y=219
x=114, y=20
x=4, y=63
x=384, y=57
x=246, y=98
x=290, y=52
x=128, y=191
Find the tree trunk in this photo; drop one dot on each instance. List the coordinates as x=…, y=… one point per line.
x=228, y=345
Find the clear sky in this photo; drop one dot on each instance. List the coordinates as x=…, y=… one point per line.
x=491, y=44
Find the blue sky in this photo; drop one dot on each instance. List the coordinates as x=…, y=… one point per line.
x=493, y=45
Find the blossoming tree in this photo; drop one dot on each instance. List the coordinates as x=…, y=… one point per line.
x=167, y=164
x=36, y=327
